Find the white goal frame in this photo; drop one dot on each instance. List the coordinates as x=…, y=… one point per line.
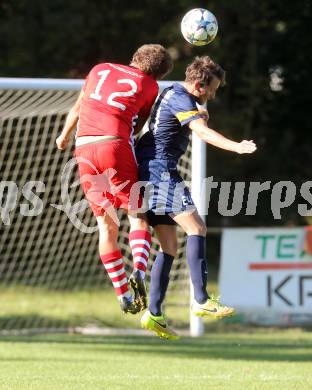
x=198, y=150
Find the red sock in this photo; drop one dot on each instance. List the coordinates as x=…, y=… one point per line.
x=140, y=243
x=114, y=266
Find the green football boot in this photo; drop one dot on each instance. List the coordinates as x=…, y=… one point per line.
x=212, y=307
x=158, y=325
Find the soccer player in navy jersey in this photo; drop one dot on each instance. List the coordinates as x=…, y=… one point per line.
x=174, y=117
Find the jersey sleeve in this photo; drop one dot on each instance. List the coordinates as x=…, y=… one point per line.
x=91, y=76
x=184, y=108
x=150, y=97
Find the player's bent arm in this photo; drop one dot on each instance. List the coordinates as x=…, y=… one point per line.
x=70, y=123
x=212, y=137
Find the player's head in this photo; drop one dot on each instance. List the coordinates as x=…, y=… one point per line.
x=153, y=60
x=203, y=76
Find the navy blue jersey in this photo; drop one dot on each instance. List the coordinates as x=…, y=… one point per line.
x=168, y=134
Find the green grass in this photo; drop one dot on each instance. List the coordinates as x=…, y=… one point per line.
x=28, y=307
x=230, y=356
x=37, y=307
x=259, y=360
x=34, y=307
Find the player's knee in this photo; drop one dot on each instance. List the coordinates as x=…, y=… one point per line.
x=203, y=230
x=170, y=247
x=173, y=249
x=139, y=224
x=108, y=232
x=198, y=230
x=169, y=251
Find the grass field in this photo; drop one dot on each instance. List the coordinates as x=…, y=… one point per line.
x=256, y=360
x=28, y=307
x=229, y=356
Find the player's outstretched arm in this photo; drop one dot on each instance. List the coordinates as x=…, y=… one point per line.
x=212, y=137
x=70, y=124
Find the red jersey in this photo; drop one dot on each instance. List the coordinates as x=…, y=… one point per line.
x=114, y=95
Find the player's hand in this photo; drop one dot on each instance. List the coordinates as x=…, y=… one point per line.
x=61, y=142
x=246, y=147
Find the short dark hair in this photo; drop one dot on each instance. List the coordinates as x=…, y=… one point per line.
x=152, y=59
x=203, y=69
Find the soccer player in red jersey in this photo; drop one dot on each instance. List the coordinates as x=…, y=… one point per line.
x=113, y=97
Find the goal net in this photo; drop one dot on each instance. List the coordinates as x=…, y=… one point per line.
x=50, y=272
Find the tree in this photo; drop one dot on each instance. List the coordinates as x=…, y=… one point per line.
x=260, y=44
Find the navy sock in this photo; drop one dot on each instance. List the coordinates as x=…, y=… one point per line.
x=159, y=281
x=195, y=255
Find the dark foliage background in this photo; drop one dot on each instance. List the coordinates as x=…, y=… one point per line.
x=257, y=40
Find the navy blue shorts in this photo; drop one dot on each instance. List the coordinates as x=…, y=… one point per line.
x=166, y=193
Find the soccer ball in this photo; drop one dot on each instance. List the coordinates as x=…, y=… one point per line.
x=199, y=27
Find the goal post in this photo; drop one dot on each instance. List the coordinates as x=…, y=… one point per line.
x=40, y=246
x=16, y=83
x=198, y=177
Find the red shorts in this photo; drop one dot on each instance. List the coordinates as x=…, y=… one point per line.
x=108, y=170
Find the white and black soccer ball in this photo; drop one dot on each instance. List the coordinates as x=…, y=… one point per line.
x=199, y=26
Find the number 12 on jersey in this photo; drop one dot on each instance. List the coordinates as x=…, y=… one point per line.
x=96, y=95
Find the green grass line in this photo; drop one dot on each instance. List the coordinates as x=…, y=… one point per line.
x=280, y=360
x=34, y=307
